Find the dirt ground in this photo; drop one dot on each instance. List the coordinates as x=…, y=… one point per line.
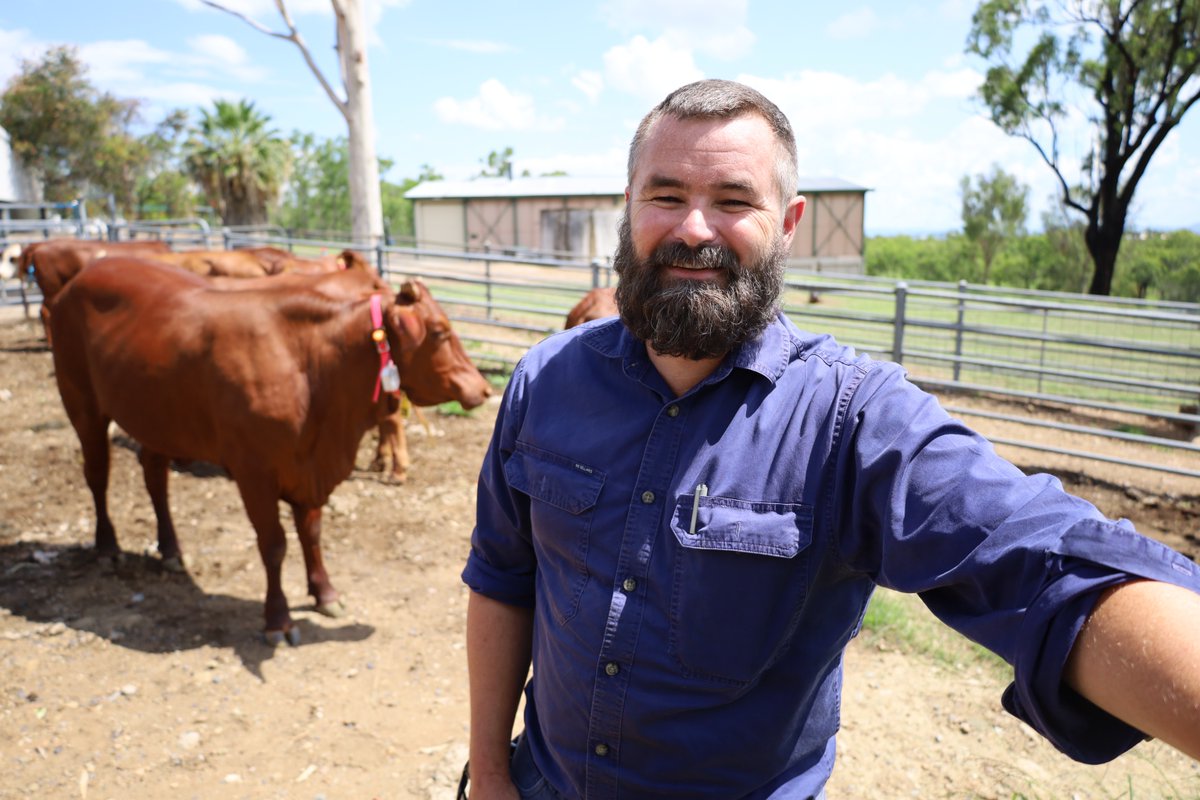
x=129, y=682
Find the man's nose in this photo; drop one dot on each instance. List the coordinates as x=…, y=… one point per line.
x=695, y=229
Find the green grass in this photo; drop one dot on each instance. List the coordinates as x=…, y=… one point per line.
x=901, y=622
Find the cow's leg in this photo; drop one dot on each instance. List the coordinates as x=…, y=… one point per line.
x=93, y=439
x=262, y=507
x=308, y=527
x=155, y=470
x=391, y=452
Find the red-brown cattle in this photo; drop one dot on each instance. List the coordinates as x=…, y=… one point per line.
x=275, y=383
x=226, y=263
x=56, y=261
x=596, y=304
x=391, y=449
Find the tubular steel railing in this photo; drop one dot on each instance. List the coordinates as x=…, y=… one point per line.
x=1103, y=360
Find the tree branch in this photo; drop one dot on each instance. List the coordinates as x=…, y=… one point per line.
x=295, y=38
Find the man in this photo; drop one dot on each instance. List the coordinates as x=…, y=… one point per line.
x=683, y=512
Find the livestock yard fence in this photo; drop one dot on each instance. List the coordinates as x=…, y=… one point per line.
x=1123, y=374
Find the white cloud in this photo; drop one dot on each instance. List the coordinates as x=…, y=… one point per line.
x=495, y=108
x=858, y=24
x=590, y=82
x=17, y=46
x=649, y=69
x=714, y=27
x=135, y=67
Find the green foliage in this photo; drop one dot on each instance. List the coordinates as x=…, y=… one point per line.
x=994, y=208
x=498, y=164
x=1166, y=265
x=1127, y=66
x=75, y=139
x=239, y=163
x=950, y=259
x=316, y=199
x=163, y=191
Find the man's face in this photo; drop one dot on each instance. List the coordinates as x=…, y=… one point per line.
x=705, y=236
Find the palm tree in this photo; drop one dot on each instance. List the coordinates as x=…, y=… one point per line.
x=238, y=161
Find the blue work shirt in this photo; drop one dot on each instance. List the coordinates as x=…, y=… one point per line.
x=697, y=564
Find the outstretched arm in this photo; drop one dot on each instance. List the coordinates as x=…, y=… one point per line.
x=499, y=642
x=1138, y=658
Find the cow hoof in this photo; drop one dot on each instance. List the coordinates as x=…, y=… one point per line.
x=175, y=564
x=335, y=609
x=276, y=638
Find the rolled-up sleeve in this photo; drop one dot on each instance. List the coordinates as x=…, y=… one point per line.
x=1091, y=556
x=1011, y=561
x=502, y=563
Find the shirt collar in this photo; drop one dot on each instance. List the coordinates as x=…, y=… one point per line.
x=767, y=354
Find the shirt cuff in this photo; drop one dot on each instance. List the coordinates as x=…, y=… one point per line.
x=482, y=577
x=1092, y=556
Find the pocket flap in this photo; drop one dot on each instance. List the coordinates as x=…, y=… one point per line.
x=554, y=479
x=780, y=530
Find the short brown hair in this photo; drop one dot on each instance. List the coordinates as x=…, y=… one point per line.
x=721, y=99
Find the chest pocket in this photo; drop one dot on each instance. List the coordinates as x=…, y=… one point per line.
x=563, y=495
x=739, y=581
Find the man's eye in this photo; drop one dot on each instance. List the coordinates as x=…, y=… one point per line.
x=667, y=198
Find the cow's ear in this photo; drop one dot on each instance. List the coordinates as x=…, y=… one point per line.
x=407, y=327
x=407, y=296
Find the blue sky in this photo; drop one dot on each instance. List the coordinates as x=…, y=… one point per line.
x=879, y=92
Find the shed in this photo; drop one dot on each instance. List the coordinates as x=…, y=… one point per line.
x=575, y=217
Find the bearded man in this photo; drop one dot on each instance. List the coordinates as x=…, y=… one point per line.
x=683, y=512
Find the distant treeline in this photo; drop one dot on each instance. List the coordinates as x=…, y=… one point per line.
x=1151, y=265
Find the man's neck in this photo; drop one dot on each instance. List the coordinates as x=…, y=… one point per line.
x=680, y=373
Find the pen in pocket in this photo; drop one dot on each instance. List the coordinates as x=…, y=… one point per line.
x=701, y=491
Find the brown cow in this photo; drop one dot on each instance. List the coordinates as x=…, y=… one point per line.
x=275, y=383
x=226, y=263
x=596, y=304
x=391, y=449
x=56, y=261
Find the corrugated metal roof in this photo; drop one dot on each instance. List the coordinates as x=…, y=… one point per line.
x=570, y=186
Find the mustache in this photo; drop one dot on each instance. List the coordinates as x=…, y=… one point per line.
x=705, y=256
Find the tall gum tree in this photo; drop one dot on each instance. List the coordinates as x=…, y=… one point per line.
x=1129, y=65
x=366, y=207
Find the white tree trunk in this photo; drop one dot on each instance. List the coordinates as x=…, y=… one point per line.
x=366, y=205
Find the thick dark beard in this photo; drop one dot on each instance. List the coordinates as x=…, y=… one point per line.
x=692, y=318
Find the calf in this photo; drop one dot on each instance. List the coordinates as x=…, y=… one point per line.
x=55, y=262
x=276, y=383
x=596, y=304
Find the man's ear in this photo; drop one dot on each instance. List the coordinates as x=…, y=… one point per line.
x=793, y=213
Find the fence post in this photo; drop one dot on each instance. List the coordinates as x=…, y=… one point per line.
x=898, y=330
x=379, y=261
x=958, y=328
x=595, y=273
x=487, y=279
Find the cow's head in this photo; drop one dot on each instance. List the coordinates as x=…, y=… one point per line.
x=438, y=369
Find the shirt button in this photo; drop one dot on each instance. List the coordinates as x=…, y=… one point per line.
x=601, y=749
x=672, y=411
x=611, y=668
x=629, y=584
x=647, y=497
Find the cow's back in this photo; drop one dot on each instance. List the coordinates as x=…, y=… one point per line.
x=193, y=372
